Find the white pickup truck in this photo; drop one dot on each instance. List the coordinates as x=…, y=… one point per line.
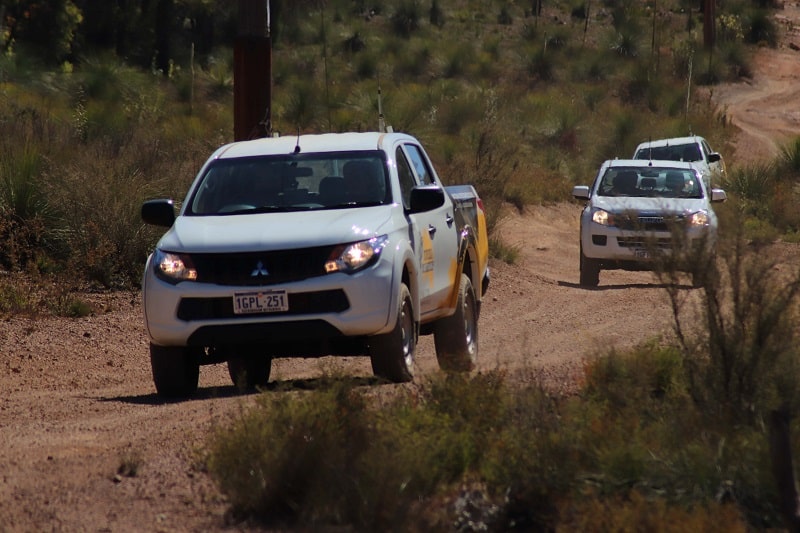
x=314, y=245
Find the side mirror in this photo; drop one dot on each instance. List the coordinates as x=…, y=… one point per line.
x=718, y=195
x=581, y=192
x=426, y=198
x=159, y=212
x=713, y=157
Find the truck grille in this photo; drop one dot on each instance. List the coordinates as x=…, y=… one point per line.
x=303, y=303
x=643, y=243
x=261, y=268
x=647, y=222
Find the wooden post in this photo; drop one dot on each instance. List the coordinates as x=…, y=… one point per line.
x=252, y=72
x=709, y=24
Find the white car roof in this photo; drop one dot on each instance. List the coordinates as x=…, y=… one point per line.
x=650, y=163
x=669, y=142
x=326, y=142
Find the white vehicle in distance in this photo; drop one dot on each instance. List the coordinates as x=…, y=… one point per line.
x=692, y=149
x=633, y=209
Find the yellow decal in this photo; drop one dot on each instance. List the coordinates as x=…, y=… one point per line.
x=427, y=258
x=455, y=282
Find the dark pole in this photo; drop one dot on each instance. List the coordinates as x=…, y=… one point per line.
x=709, y=36
x=252, y=72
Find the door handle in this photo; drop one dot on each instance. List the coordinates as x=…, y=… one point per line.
x=449, y=220
x=431, y=230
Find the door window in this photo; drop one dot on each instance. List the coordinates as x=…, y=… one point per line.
x=406, y=177
x=420, y=164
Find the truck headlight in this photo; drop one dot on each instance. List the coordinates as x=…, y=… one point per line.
x=603, y=217
x=173, y=268
x=699, y=218
x=349, y=258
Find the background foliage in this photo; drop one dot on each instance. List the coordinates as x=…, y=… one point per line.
x=105, y=104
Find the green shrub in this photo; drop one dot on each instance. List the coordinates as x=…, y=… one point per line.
x=789, y=159
x=762, y=29
x=405, y=19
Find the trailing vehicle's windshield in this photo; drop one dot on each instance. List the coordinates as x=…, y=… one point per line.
x=650, y=182
x=677, y=152
x=292, y=183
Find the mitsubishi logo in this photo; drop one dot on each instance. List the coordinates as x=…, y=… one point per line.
x=259, y=271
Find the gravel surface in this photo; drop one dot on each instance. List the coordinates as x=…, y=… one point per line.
x=79, y=404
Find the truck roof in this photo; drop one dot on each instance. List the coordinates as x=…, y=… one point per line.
x=614, y=163
x=326, y=142
x=672, y=141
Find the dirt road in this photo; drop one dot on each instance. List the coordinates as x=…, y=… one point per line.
x=78, y=401
x=766, y=108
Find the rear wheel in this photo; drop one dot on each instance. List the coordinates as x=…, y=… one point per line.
x=392, y=354
x=248, y=373
x=456, y=337
x=590, y=271
x=176, y=370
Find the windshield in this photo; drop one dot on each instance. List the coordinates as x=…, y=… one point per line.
x=299, y=182
x=650, y=182
x=678, y=152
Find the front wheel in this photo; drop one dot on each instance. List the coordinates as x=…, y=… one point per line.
x=456, y=337
x=176, y=370
x=590, y=271
x=248, y=373
x=392, y=354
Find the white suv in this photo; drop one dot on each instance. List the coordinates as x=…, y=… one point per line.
x=633, y=210
x=693, y=149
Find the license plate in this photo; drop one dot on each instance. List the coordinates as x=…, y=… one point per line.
x=641, y=254
x=271, y=301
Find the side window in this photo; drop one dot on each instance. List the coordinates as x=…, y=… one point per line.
x=420, y=164
x=407, y=181
x=706, y=149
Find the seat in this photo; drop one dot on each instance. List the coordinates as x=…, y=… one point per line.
x=674, y=182
x=363, y=182
x=625, y=183
x=332, y=191
x=647, y=183
x=691, y=153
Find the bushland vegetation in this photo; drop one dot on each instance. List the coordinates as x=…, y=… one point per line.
x=677, y=434
x=120, y=103
x=523, y=100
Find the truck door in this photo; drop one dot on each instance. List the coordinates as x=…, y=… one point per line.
x=436, y=236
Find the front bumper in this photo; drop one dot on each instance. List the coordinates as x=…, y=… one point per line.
x=321, y=308
x=636, y=248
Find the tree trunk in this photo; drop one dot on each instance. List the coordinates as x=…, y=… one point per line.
x=780, y=445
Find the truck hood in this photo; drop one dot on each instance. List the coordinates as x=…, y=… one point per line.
x=274, y=231
x=656, y=206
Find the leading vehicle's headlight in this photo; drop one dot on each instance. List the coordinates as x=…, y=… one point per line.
x=603, y=217
x=698, y=219
x=173, y=268
x=349, y=258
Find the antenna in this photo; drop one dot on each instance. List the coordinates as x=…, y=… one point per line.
x=381, y=120
x=297, y=146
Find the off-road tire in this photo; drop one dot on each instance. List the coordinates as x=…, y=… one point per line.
x=248, y=373
x=456, y=337
x=392, y=354
x=176, y=370
x=590, y=271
